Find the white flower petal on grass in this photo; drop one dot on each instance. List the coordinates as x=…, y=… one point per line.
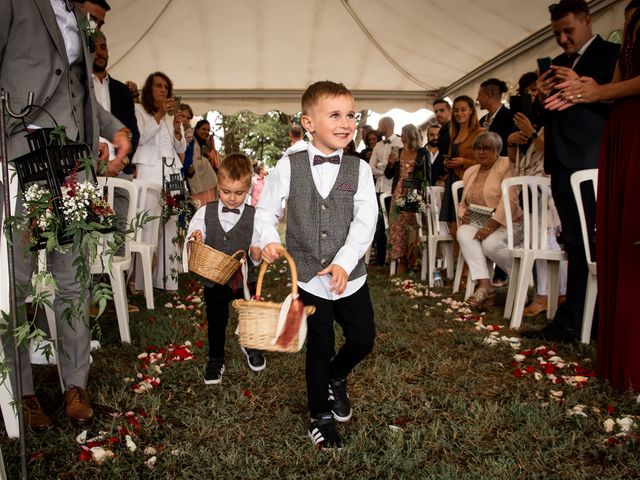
x=130, y=443
x=609, y=425
x=519, y=358
x=82, y=438
x=150, y=451
x=537, y=375
x=625, y=423
x=168, y=305
x=556, y=393
x=395, y=428
x=151, y=462
x=100, y=454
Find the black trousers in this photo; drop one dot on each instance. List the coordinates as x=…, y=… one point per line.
x=355, y=315
x=217, y=299
x=380, y=237
x=569, y=314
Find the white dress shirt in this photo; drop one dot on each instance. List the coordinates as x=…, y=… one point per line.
x=378, y=162
x=103, y=97
x=298, y=146
x=361, y=230
x=227, y=220
x=432, y=155
x=69, y=29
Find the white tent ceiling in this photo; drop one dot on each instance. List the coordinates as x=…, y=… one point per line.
x=260, y=55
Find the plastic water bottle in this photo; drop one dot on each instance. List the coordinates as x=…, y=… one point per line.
x=437, y=279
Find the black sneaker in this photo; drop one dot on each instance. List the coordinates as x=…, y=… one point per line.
x=214, y=371
x=339, y=399
x=255, y=359
x=323, y=433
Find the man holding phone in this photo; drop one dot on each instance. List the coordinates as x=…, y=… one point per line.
x=572, y=143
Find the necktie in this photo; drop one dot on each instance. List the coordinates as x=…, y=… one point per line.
x=68, y=5
x=570, y=59
x=231, y=210
x=319, y=160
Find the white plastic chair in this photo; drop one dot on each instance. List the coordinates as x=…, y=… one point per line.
x=117, y=265
x=455, y=192
x=435, y=236
x=590, y=175
x=146, y=250
x=385, y=217
x=535, y=202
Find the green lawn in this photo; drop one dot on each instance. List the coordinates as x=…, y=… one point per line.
x=434, y=400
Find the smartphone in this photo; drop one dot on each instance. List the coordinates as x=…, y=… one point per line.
x=177, y=99
x=544, y=64
x=522, y=104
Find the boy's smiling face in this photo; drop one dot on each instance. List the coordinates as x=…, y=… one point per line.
x=332, y=122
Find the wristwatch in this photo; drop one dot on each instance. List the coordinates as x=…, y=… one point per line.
x=125, y=161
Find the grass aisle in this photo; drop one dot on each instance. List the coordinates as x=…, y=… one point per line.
x=442, y=396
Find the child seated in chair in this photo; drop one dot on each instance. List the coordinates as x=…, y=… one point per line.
x=227, y=226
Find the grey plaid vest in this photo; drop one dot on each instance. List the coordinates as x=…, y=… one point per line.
x=238, y=238
x=317, y=228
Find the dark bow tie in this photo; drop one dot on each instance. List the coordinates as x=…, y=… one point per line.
x=388, y=140
x=319, y=160
x=68, y=4
x=231, y=210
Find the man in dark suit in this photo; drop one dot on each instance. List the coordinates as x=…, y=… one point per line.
x=499, y=118
x=114, y=96
x=442, y=112
x=572, y=143
x=43, y=50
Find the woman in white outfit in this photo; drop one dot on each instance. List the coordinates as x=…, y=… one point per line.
x=482, y=183
x=158, y=139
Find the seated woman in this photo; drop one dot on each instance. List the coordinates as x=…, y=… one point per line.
x=482, y=187
x=401, y=167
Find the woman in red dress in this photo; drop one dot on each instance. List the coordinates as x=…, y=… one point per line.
x=618, y=223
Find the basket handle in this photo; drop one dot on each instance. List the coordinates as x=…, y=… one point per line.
x=294, y=275
x=241, y=252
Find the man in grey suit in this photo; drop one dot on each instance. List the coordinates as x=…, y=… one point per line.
x=43, y=50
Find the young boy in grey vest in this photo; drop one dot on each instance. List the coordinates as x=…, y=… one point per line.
x=227, y=226
x=331, y=219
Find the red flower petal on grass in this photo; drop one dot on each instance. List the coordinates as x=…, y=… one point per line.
x=613, y=441
x=611, y=409
x=123, y=431
x=247, y=393
x=518, y=373
x=36, y=455
x=84, y=456
x=111, y=440
x=530, y=369
x=198, y=344
x=93, y=444
x=399, y=422
x=549, y=369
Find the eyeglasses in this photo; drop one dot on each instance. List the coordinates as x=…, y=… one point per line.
x=483, y=148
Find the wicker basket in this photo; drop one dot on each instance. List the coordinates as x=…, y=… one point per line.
x=258, y=320
x=211, y=263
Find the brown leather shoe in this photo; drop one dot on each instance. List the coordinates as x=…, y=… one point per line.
x=78, y=405
x=538, y=305
x=34, y=417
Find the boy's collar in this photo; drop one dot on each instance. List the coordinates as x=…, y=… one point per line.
x=313, y=151
x=220, y=205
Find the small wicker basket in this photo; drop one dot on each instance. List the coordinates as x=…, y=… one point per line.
x=211, y=263
x=258, y=320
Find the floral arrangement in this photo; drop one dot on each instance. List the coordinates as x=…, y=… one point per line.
x=411, y=201
x=178, y=205
x=83, y=209
x=90, y=28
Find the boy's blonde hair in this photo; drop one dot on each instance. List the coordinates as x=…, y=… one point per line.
x=319, y=90
x=236, y=167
